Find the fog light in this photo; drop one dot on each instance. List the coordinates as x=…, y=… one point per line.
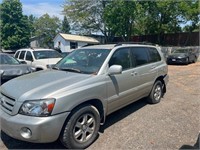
x=26, y=133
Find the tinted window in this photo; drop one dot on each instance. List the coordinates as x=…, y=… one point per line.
x=180, y=51
x=139, y=55
x=121, y=57
x=17, y=54
x=22, y=55
x=154, y=56
x=29, y=56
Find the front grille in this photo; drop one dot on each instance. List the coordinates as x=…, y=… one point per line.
x=7, y=103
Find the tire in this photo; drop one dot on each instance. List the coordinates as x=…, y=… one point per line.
x=156, y=93
x=187, y=61
x=81, y=130
x=39, y=69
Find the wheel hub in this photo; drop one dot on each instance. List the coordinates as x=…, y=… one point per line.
x=84, y=127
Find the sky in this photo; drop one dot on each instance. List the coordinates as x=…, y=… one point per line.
x=40, y=7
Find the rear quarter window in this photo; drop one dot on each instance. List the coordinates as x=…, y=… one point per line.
x=17, y=54
x=154, y=56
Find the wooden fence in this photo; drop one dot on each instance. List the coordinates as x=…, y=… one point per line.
x=176, y=39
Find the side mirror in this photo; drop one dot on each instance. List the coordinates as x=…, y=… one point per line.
x=50, y=66
x=115, y=69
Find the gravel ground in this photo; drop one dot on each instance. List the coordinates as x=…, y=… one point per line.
x=172, y=124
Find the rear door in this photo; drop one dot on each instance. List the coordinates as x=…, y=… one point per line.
x=145, y=68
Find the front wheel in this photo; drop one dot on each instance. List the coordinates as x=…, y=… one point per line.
x=156, y=93
x=81, y=129
x=187, y=61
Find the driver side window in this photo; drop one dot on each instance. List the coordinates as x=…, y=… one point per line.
x=121, y=57
x=29, y=56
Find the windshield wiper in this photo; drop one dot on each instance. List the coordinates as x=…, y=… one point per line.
x=71, y=69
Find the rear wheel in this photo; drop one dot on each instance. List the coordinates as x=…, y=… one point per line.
x=81, y=129
x=156, y=93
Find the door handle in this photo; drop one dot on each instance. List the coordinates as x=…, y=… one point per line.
x=152, y=67
x=134, y=73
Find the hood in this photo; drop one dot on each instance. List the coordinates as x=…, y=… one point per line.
x=15, y=70
x=48, y=61
x=41, y=84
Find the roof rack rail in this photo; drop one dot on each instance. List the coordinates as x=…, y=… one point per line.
x=144, y=43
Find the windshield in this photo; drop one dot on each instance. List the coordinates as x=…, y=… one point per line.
x=46, y=54
x=6, y=59
x=181, y=51
x=86, y=61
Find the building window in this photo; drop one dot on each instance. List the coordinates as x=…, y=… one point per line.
x=73, y=45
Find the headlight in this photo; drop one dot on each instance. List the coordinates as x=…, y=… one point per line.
x=37, y=107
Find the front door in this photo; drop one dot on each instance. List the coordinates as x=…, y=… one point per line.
x=122, y=88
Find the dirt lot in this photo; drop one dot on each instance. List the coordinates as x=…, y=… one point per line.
x=172, y=124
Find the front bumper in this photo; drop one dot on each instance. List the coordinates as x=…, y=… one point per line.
x=43, y=129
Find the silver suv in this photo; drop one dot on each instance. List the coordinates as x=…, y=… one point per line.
x=71, y=100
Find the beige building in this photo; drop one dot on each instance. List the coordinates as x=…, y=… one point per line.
x=69, y=42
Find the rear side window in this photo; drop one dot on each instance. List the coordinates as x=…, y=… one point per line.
x=17, y=54
x=29, y=56
x=22, y=54
x=154, y=56
x=139, y=56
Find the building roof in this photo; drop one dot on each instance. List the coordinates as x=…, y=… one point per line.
x=78, y=38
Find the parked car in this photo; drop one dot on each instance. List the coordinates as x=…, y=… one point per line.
x=39, y=58
x=11, y=68
x=71, y=100
x=182, y=56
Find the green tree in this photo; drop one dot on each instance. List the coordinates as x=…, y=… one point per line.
x=158, y=17
x=65, y=26
x=119, y=16
x=126, y=18
x=85, y=15
x=190, y=15
x=32, y=19
x=15, y=31
x=46, y=28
